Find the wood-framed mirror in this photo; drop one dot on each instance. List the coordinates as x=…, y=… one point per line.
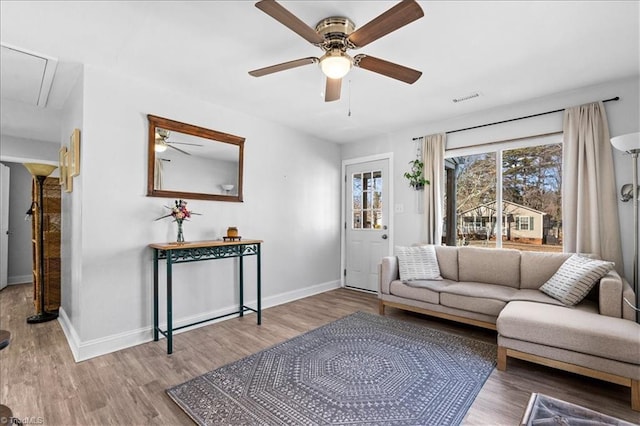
x=192, y=162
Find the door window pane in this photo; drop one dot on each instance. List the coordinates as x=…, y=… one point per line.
x=357, y=192
x=367, y=200
x=357, y=220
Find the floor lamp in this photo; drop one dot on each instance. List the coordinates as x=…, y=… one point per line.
x=631, y=143
x=40, y=173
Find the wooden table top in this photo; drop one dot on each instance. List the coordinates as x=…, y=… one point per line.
x=200, y=244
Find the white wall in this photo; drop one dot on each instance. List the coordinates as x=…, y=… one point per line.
x=71, y=250
x=12, y=147
x=623, y=117
x=291, y=193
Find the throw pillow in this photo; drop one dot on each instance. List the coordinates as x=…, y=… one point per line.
x=418, y=263
x=575, y=278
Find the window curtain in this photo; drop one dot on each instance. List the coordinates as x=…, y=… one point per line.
x=433, y=158
x=589, y=203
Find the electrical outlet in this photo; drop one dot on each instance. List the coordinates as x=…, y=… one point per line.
x=399, y=208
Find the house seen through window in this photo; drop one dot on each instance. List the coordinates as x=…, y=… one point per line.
x=509, y=197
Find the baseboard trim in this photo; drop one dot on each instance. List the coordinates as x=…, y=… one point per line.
x=20, y=279
x=84, y=350
x=69, y=332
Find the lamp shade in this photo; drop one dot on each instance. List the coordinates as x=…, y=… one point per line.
x=629, y=142
x=37, y=169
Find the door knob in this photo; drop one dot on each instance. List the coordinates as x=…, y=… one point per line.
x=384, y=236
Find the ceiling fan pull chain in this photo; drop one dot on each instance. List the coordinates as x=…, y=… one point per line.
x=349, y=113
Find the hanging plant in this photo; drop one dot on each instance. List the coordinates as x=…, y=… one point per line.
x=415, y=176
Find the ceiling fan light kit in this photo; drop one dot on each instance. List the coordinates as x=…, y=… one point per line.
x=335, y=64
x=335, y=35
x=162, y=142
x=161, y=145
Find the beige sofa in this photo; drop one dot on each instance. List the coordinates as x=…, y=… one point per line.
x=499, y=289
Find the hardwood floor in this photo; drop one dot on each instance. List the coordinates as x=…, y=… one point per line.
x=42, y=384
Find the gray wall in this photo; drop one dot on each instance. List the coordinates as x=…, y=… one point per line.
x=20, y=264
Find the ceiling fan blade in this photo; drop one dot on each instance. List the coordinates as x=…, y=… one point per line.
x=178, y=149
x=398, y=16
x=185, y=143
x=332, y=89
x=387, y=68
x=283, y=66
x=288, y=19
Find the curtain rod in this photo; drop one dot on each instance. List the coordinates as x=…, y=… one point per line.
x=617, y=98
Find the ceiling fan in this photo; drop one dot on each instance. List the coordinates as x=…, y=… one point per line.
x=162, y=143
x=336, y=35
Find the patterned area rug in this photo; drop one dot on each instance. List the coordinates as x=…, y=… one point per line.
x=363, y=369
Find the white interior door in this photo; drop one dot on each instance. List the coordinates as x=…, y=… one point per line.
x=4, y=225
x=367, y=222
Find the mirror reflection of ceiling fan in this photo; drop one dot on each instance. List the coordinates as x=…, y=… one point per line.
x=336, y=35
x=162, y=143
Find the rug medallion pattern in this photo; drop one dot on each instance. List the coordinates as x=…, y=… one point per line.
x=363, y=369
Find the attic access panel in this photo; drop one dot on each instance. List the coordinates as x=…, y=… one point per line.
x=26, y=76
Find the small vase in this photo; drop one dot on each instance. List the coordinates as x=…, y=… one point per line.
x=232, y=231
x=180, y=234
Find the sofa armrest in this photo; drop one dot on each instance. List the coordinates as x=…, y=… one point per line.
x=610, y=295
x=630, y=295
x=388, y=272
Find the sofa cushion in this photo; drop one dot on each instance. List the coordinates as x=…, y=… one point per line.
x=575, y=278
x=491, y=266
x=482, y=290
x=472, y=304
x=418, y=263
x=397, y=288
x=448, y=262
x=580, y=329
x=530, y=295
x=435, y=285
x=537, y=267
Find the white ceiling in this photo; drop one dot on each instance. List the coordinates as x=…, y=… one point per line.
x=508, y=51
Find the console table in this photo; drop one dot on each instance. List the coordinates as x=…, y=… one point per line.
x=198, y=251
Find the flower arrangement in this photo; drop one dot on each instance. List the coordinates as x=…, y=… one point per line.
x=179, y=212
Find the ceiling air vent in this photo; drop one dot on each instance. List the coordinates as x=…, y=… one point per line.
x=26, y=76
x=466, y=98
